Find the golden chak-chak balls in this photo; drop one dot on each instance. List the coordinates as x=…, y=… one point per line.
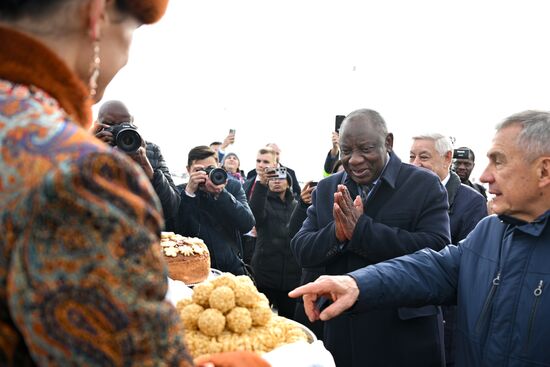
x=211, y=322
x=184, y=302
x=226, y=279
x=239, y=320
x=261, y=315
x=244, y=279
x=222, y=298
x=190, y=314
x=201, y=293
x=246, y=295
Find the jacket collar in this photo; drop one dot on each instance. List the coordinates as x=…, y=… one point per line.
x=389, y=175
x=24, y=60
x=534, y=228
x=452, y=188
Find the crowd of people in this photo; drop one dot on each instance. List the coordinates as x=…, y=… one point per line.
x=389, y=263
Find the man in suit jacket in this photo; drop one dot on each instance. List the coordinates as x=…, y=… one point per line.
x=396, y=209
x=466, y=207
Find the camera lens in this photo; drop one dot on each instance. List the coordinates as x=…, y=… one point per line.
x=218, y=176
x=128, y=140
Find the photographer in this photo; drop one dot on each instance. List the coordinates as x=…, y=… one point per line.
x=115, y=127
x=275, y=267
x=214, y=209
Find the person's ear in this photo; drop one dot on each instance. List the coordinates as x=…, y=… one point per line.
x=389, y=142
x=543, y=172
x=448, y=157
x=96, y=12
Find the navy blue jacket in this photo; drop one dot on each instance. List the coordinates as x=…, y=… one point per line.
x=499, y=275
x=218, y=222
x=466, y=208
x=406, y=211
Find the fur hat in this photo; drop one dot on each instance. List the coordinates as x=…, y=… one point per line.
x=146, y=11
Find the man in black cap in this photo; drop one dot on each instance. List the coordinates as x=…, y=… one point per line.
x=463, y=167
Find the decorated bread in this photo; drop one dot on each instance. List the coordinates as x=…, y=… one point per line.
x=188, y=258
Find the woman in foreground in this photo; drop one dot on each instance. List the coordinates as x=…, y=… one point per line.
x=82, y=281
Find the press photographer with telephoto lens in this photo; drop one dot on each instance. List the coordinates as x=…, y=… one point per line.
x=115, y=126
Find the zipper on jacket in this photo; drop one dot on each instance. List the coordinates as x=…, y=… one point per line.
x=537, y=292
x=487, y=304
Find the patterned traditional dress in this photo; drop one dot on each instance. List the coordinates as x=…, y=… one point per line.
x=82, y=281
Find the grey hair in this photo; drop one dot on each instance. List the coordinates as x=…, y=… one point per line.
x=534, y=137
x=372, y=117
x=442, y=143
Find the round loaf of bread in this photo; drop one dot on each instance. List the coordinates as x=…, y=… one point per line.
x=188, y=258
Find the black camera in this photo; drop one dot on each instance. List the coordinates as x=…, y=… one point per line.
x=218, y=176
x=126, y=137
x=461, y=154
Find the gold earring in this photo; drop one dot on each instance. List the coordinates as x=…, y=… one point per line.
x=94, y=69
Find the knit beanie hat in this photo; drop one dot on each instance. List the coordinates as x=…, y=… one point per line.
x=230, y=155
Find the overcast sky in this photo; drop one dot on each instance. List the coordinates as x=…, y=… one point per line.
x=279, y=71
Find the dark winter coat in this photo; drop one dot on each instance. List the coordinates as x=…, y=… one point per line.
x=466, y=208
x=406, y=211
x=162, y=183
x=219, y=223
x=273, y=263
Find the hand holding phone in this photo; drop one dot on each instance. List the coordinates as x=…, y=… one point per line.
x=338, y=122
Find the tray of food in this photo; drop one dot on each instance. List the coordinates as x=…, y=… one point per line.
x=227, y=313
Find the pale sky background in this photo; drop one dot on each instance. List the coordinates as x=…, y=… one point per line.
x=279, y=71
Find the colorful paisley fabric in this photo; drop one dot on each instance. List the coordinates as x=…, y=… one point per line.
x=82, y=281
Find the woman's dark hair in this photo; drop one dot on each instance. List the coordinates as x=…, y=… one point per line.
x=200, y=152
x=15, y=9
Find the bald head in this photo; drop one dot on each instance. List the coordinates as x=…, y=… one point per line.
x=114, y=113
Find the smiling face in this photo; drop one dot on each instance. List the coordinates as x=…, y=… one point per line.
x=424, y=154
x=363, y=150
x=512, y=180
